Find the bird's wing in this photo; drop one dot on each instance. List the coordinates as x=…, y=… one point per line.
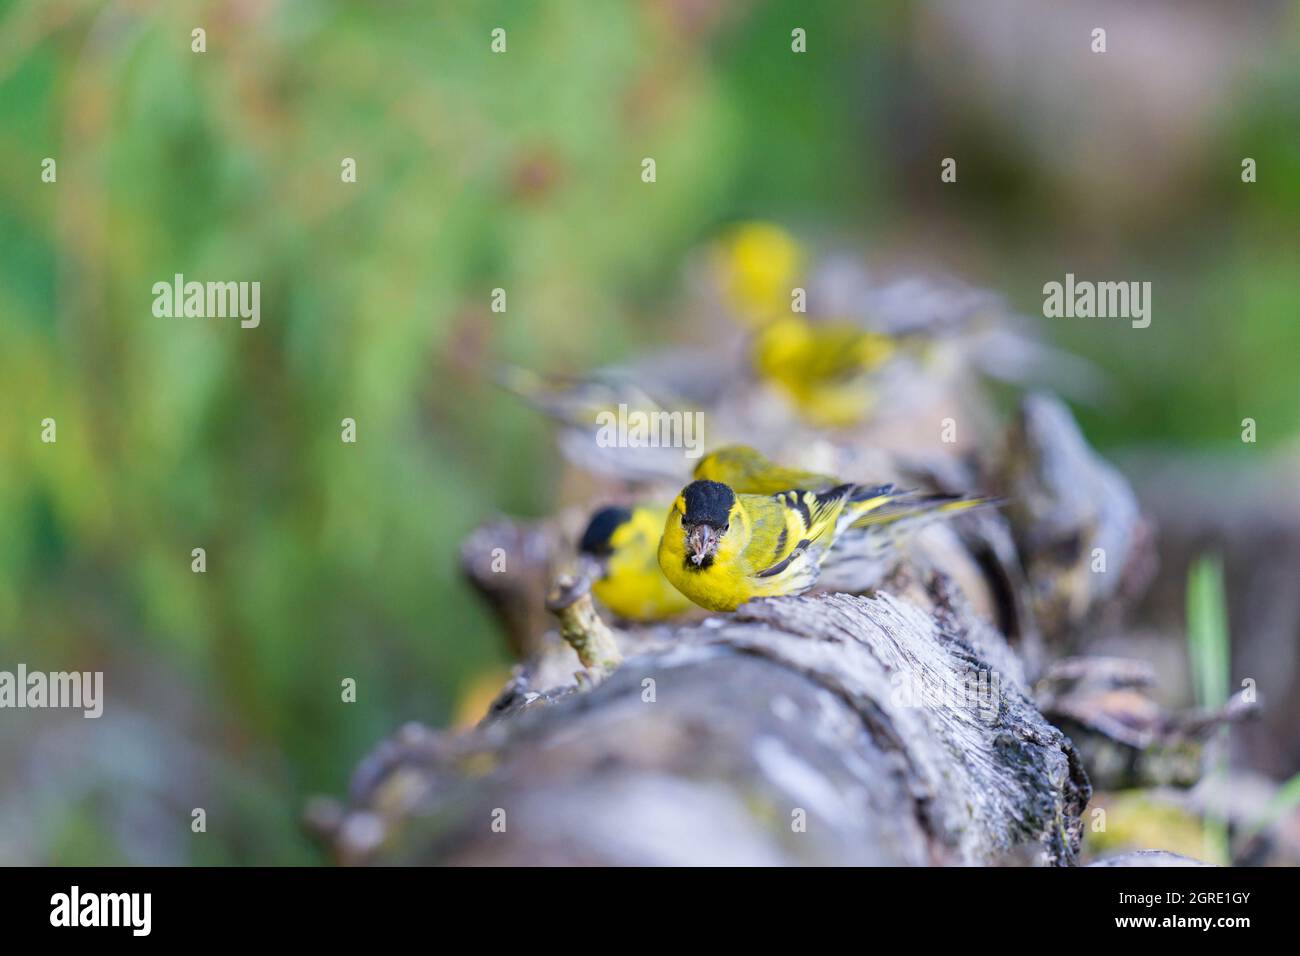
x=776, y=533
x=793, y=523
x=825, y=508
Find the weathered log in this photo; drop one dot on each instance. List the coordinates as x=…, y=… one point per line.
x=1149, y=858
x=1124, y=736
x=831, y=729
x=1086, y=549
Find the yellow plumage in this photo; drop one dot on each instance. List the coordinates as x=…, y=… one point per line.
x=748, y=471
x=758, y=265
x=722, y=549
x=621, y=546
x=823, y=368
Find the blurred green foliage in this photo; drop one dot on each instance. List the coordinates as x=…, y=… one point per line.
x=475, y=171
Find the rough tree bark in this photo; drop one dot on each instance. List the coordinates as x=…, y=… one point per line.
x=828, y=729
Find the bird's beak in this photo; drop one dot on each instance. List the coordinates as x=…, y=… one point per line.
x=701, y=542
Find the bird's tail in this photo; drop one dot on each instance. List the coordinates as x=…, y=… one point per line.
x=891, y=508
x=562, y=399
x=866, y=500
x=883, y=521
x=873, y=518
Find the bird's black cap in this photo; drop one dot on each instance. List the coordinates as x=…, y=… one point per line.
x=595, y=540
x=708, y=502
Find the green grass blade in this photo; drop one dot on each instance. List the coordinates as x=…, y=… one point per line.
x=1207, y=632
x=1207, y=638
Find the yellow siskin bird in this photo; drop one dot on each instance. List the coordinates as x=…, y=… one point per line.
x=823, y=367
x=748, y=471
x=758, y=266
x=721, y=549
x=619, y=552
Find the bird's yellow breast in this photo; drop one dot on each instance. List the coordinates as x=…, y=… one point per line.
x=720, y=584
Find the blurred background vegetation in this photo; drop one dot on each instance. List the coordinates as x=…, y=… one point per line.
x=519, y=171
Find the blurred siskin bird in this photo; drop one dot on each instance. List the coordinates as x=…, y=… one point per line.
x=722, y=549
x=820, y=366
x=758, y=266
x=576, y=401
x=746, y=470
x=823, y=368
x=620, y=555
x=588, y=408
